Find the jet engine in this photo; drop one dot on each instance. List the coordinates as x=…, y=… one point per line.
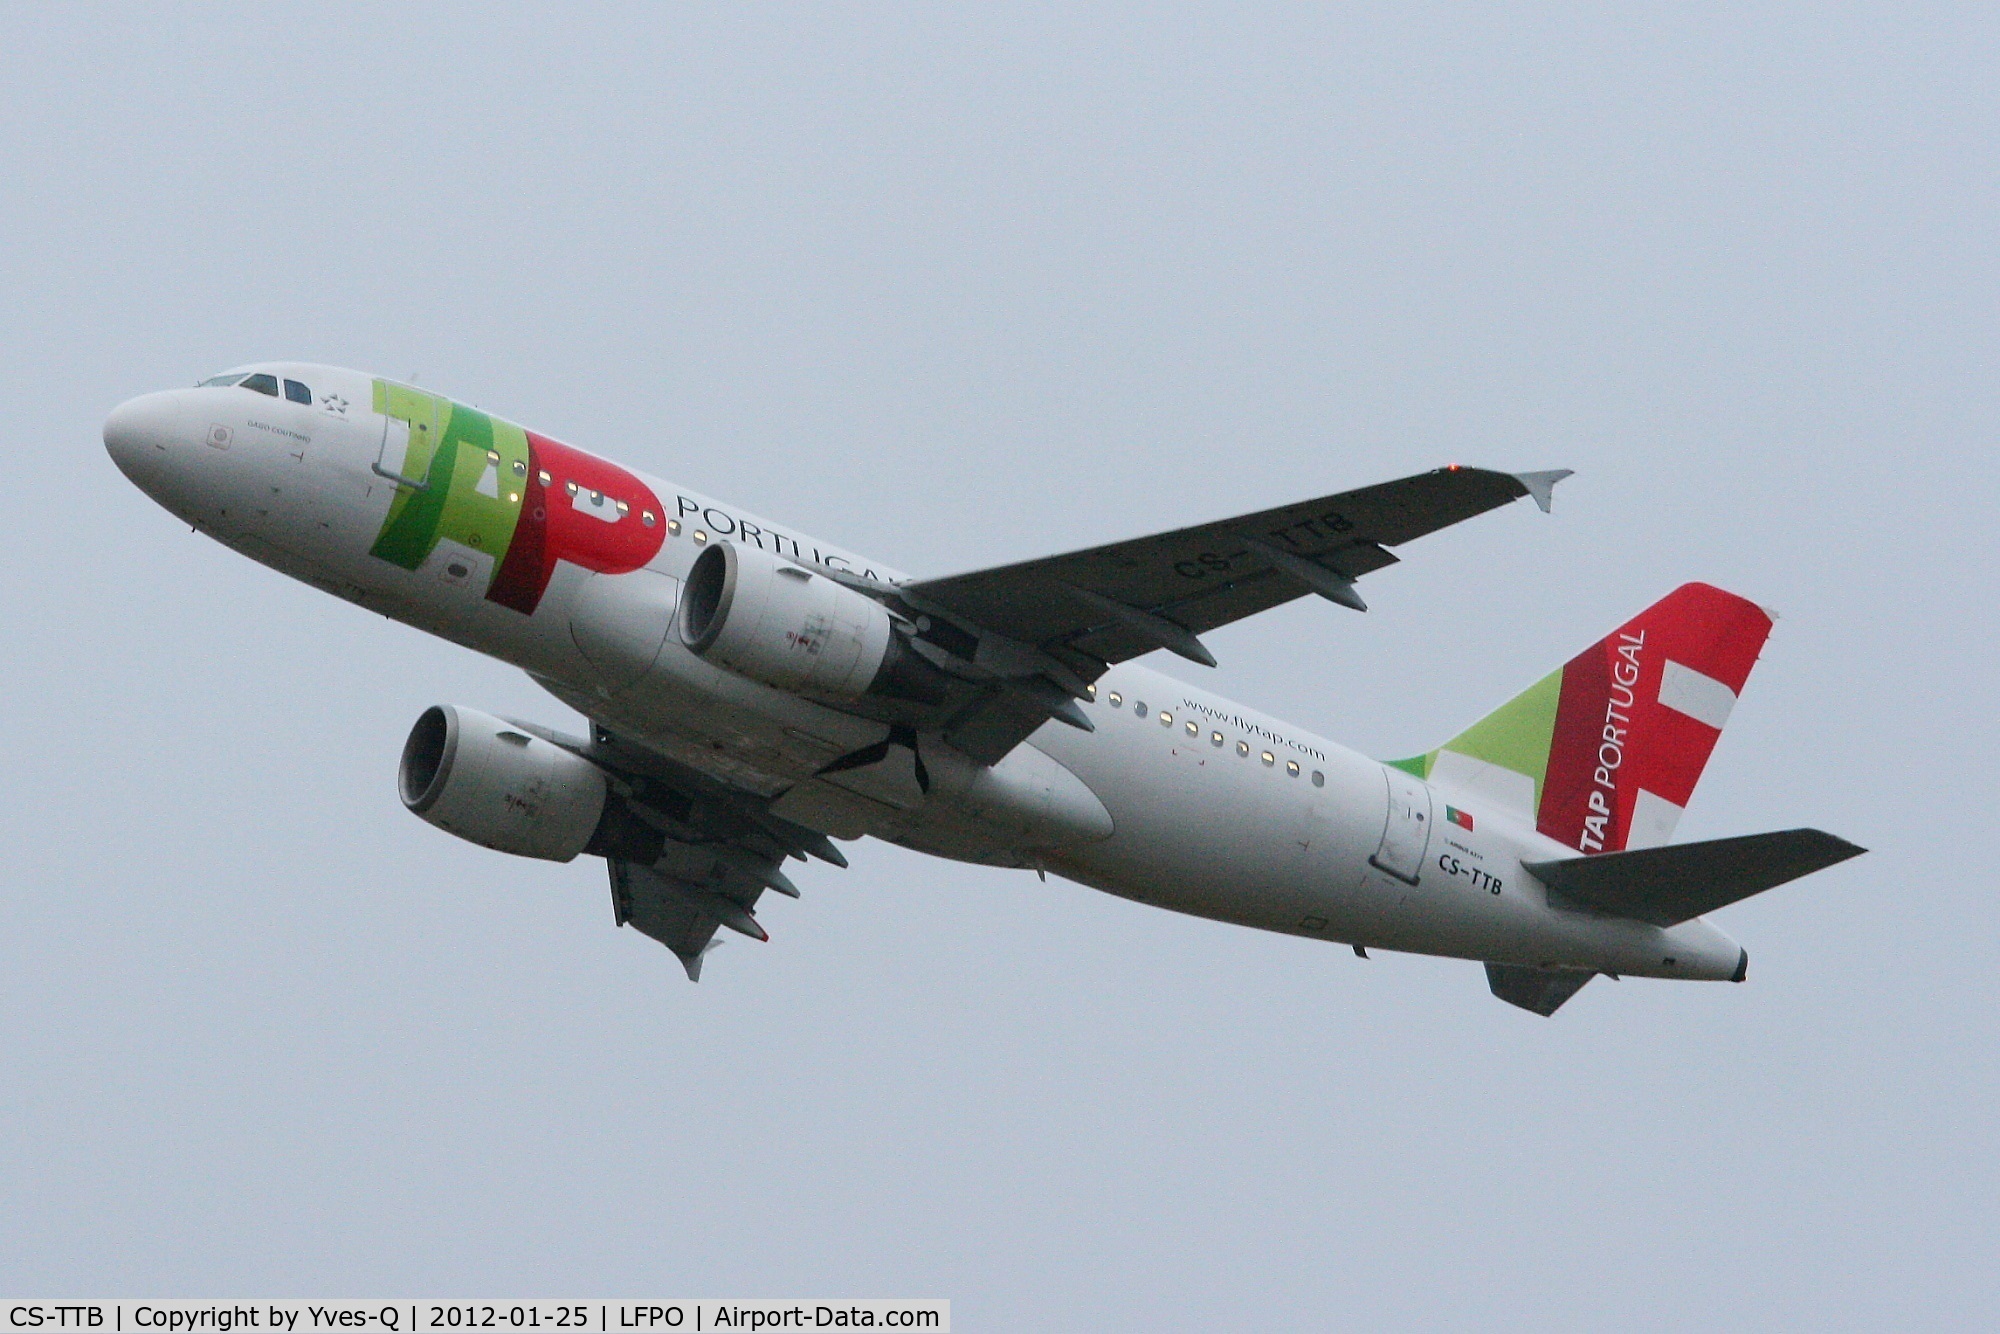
x=488, y=781
x=763, y=617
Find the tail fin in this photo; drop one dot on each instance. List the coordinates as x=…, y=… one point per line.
x=1604, y=753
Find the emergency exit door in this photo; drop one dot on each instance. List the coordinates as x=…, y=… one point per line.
x=1406, y=833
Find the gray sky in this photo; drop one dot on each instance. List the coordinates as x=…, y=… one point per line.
x=955, y=287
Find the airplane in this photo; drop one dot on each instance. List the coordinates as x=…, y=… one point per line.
x=756, y=695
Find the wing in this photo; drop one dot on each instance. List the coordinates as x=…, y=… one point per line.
x=1061, y=621
x=688, y=853
x=681, y=914
x=1116, y=602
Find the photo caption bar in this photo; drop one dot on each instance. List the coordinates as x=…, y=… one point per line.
x=429, y=1317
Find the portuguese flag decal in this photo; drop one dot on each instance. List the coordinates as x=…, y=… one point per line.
x=1458, y=817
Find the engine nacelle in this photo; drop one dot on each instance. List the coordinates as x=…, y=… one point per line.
x=750, y=611
x=488, y=781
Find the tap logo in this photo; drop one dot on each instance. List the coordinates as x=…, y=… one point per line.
x=1604, y=753
x=488, y=484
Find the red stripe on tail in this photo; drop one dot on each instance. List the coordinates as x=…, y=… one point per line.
x=1615, y=737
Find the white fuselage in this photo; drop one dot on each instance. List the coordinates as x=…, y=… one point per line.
x=1179, y=798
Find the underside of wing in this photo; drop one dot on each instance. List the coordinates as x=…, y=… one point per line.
x=688, y=854
x=1048, y=627
x=1209, y=575
x=681, y=914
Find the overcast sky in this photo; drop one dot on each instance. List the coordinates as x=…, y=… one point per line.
x=955, y=287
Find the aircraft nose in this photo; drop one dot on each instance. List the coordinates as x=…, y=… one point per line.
x=142, y=435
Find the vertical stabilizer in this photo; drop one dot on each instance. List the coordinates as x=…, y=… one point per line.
x=1604, y=753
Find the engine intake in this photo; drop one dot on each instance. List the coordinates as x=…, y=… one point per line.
x=750, y=611
x=489, y=782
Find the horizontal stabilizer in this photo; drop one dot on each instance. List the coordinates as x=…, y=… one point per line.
x=1542, y=990
x=1673, y=884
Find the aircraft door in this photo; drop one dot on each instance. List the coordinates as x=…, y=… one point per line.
x=1406, y=833
x=411, y=429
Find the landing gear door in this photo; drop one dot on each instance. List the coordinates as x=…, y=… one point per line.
x=1407, y=831
x=411, y=429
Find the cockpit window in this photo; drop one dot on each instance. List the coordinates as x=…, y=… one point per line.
x=263, y=384
x=298, y=393
x=217, y=381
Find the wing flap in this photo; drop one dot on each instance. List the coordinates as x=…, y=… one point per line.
x=1676, y=883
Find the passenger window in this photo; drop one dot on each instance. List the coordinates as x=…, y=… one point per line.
x=1194, y=729
x=1269, y=758
x=1166, y=719
x=1243, y=748
x=298, y=393
x=1215, y=738
x=1319, y=779
x=1116, y=699
x=1140, y=708
x=263, y=384
x=1292, y=768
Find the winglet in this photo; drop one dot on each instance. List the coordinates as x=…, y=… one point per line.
x=1542, y=485
x=692, y=962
